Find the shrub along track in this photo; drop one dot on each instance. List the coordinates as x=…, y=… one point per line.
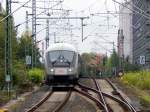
x=101, y=100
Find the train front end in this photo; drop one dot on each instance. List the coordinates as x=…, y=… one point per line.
x=61, y=64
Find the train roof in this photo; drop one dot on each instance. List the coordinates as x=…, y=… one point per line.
x=61, y=46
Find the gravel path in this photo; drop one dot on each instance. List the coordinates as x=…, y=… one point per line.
x=78, y=103
x=34, y=98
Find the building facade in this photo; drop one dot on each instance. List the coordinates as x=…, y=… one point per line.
x=125, y=35
x=120, y=43
x=141, y=32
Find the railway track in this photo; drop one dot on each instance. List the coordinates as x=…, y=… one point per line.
x=107, y=101
x=46, y=105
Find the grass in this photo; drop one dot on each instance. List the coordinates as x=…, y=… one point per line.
x=141, y=81
x=4, y=97
x=145, y=100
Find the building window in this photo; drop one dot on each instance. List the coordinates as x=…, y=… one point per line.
x=148, y=12
x=148, y=22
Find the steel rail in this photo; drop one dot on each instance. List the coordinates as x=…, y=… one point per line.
x=59, y=107
x=34, y=107
x=101, y=95
x=123, y=103
x=121, y=96
x=100, y=104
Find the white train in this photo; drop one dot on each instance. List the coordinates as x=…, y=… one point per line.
x=62, y=64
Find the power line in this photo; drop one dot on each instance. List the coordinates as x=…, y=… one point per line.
x=138, y=8
x=148, y=17
x=142, y=11
x=102, y=47
x=14, y=11
x=115, y=7
x=114, y=13
x=36, y=15
x=30, y=19
x=38, y=31
x=39, y=7
x=106, y=40
x=62, y=17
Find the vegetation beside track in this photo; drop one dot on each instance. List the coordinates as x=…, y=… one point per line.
x=21, y=47
x=141, y=82
x=36, y=75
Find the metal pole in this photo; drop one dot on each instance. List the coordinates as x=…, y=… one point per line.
x=27, y=23
x=47, y=33
x=113, y=46
x=43, y=52
x=54, y=37
x=8, y=47
x=33, y=33
x=82, y=29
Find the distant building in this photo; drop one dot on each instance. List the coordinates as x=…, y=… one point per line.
x=141, y=32
x=125, y=36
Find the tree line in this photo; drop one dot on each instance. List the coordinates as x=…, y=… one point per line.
x=21, y=47
x=94, y=63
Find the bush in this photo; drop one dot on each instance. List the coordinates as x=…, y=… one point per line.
x=2, y=77
x=145, y=100
x=36, y=75
x=140, y=79
x=131, y=67
x=19, y=73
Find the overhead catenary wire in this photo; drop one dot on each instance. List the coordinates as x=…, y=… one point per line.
x=148, y=17
x=86, y=8
x=106, y=40
x=36, y=16
x=115, y=7
x=14, y=11
x=91, y=33
x=37, y=7
x=38, y=31
x=138, y=8
x=102, y=47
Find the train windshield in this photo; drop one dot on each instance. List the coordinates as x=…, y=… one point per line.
x=64, y=56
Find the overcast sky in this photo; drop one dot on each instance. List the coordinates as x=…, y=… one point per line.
x=100, y=30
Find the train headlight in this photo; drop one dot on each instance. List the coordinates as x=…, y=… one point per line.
x=70, y=70
x=51, y=70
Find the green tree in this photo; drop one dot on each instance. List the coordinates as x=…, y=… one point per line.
x=2, y=50
x=2, y=46
x=114, y=59
x=25, y=48
x=130, y=67
x=112, y=63
x=87, y=59
x=105, y=58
